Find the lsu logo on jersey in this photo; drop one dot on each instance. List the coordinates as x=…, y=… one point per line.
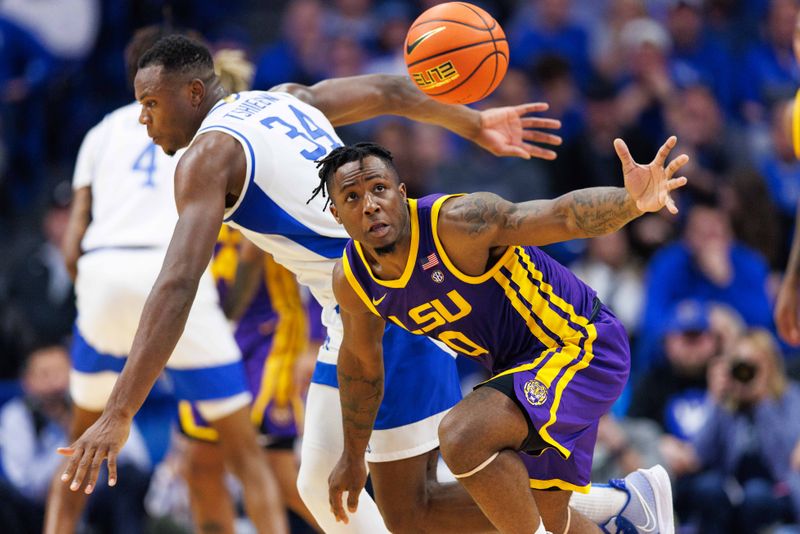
x=535, y=392
x=435, y=313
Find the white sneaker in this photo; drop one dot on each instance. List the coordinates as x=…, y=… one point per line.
x=649, y=506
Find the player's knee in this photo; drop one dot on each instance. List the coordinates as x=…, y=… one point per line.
x=456, y=435
x=199, y=469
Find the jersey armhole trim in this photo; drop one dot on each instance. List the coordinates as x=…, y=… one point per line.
x=351, y=278
x=437, y=206
x=250, y=158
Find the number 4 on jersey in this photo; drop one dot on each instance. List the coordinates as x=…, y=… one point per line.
x=146, y=163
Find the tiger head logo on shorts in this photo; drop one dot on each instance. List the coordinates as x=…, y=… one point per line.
x=535, y=392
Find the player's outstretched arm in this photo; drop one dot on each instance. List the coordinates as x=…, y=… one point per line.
x=786, y=306
x=489, y=219
x=506, y=131
x=200, y=189
x=360, y=374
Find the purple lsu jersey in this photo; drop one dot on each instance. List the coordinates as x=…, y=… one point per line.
x=528, y=317
x=525, y=304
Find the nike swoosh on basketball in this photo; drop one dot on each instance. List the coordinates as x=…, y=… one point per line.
x=411, y=46
x=375, y=301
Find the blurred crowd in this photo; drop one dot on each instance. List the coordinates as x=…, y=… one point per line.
x=711, y=396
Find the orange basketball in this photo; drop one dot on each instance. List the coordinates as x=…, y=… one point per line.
x=456, y=53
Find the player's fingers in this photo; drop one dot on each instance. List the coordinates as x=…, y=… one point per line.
x=94, y=470
x=532, y=107
x=83, y=468
x=335, y=499
x=663, y=152
x=534, y=136
x=624, y=154
x=112, y=468
x=65, y=451
x=540, y=122
x=511, y=151
x=352, y=500
x=675, y=183
x=676, y=164
x=673, y=209
x=72, y=464
x=541, y=153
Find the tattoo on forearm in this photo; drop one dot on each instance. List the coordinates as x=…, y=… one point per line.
x=483, y=211
x=360, y=398
x=601, y=210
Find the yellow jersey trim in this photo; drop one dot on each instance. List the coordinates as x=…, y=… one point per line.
x=412, y=252
x=437, y=206
x=560, y=484
x=351, y=278
x=796, y=125
x=190, y=426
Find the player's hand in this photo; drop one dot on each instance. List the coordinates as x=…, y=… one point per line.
x=507, y=131
x=786, y=313
x=650, y=185
x=104, y=439
x=349, y=475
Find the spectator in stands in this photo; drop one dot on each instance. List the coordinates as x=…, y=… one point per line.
x=589, y=160
x=697, y=119
x=39, y=287
x=25, y=67
x=697, y=57
x=31, y=427
x=555, y=84
x=749, y=446
x=609, y=267
x=298, y=52
x=708, y=264
x=548, y=27
x=607, y=49
x=672, y=392
x=772, y=73
x=647, y=82
x=394, y=18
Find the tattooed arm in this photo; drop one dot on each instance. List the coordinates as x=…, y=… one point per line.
x=360, y=374
x=488, y=219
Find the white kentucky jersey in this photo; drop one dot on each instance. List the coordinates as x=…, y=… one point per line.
x=282, y=137
x=131, y=179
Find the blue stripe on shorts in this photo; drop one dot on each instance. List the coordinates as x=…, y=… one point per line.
x=206, y=383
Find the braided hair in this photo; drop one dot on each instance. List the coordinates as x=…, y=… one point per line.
x=345, y=154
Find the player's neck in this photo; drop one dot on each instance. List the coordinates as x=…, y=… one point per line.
x=389, y=262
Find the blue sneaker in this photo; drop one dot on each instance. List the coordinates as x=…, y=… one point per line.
x=649, y=506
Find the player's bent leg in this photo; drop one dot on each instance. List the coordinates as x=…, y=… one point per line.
x=64, y=506
x=558, y=517
x=479, y=439
x=411, y=500
x=203, y=468
x=243, y=456
x=284, y=465
x=323, y=442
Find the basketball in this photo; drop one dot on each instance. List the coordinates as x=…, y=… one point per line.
x=456, y=53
